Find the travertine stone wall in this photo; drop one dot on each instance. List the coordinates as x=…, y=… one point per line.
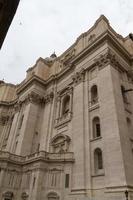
x=48, y=142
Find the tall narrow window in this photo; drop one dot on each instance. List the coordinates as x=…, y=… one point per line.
x=98, y=160
x=129, y=126
x=94, y=95
x=34, y=181
x=96, y=127
x=124, y=96
x=65, y=105
x=67, y=181
x=21, y=121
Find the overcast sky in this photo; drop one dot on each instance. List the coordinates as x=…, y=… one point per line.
x=41, y=27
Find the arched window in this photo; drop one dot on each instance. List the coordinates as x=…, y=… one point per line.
x=96, y=127
x=98, y=160
x=94, y=94
x=124, y=96
x=66, y=105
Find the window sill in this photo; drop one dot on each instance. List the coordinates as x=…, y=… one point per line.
x=63, y=120
x=100, y=174
x=93, y=107
x=95, y=139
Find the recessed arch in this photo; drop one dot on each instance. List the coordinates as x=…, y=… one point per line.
x=53, y=196
x=98, y=159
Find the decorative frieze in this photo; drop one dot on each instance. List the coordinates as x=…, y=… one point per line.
x=78, y=77
x=68, y=57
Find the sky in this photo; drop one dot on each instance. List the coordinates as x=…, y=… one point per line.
x=41, y=27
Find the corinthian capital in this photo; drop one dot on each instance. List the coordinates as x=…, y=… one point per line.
x=49, y=97
x=108, y=58
x=78, y=77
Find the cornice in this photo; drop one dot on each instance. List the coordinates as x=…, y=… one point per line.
x=32, y=80
x=8, y=103
x=106, y=37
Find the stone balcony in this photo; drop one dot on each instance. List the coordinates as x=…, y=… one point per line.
x=41, y=155
x=63, y=119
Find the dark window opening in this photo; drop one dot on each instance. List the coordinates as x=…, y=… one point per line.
x=67, y=181
x=94, y=95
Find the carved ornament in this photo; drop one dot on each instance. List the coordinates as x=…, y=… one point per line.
x=49, y=97
x=78, y=77
x=60, y=143
x=8, y=195
x=34, y=98
x=24, y=196
x=68, y=57
x=4, y=119
x=107, y=58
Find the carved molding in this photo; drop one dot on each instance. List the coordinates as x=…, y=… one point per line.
x=35, y=99
x=108, y=58
x=4, y=119
x=91, y=38
x=18, y=106
x=49, y=97
x=64, y=91
x=53, y=195
x=24, y=195
x=60, y=143
x=8, y=195
x=78, y=77
x=68, y=57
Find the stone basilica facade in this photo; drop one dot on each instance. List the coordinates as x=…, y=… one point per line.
x=66, y=131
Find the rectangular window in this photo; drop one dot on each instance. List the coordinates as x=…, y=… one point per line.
x=67, y=181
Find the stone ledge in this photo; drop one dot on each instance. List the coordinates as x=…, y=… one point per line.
x=41, y=155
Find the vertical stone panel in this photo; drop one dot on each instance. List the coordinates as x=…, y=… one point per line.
x=27, y=129
x=13, y=131
x=78, y=176
x=111, y=131
x=45, y=127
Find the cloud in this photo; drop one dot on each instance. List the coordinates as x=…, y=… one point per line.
x=40, y=27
